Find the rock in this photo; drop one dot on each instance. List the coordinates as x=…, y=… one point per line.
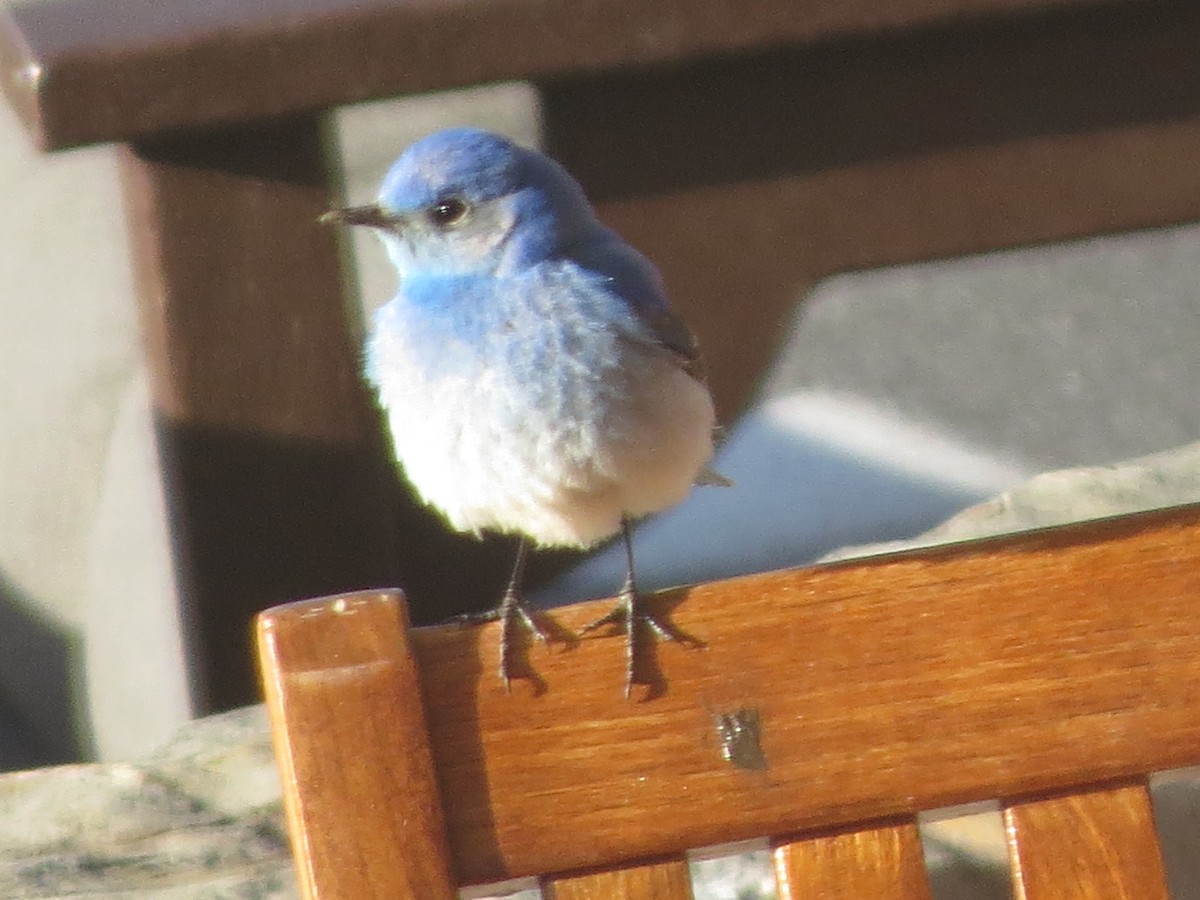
x=199, y=819
x=1170, y=478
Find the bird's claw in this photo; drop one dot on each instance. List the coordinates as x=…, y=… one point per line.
x=511, y=613
x=628, y=616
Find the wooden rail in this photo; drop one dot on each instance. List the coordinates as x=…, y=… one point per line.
x=1006, y=668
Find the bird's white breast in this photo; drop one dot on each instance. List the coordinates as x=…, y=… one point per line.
x=555, y=425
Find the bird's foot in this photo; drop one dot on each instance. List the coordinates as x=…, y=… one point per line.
x=629, y=616
x=511, y=613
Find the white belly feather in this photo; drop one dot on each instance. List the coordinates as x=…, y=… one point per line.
x=559, y=455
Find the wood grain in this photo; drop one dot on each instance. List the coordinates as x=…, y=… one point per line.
x=881, y=687
x=667, y=880
x=883, y=863
x=1094, y=845
x=359, y=791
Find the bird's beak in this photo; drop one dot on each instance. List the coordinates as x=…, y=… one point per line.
x=371, y=215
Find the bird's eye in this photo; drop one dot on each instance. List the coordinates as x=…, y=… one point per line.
x=448, y=212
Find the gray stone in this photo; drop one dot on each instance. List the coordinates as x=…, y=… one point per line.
x=199, y=820
x=1170, y=478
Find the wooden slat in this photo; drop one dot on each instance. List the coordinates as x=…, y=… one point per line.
x=1086, y=846
x=668, y=880
x=275, y=467
x=883, y=863
x=965, y=673
x=349, y=731
x=102, y=70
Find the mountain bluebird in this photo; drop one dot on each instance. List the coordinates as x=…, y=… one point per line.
x=535, y=379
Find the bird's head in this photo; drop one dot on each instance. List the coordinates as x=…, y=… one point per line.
x=464, y=201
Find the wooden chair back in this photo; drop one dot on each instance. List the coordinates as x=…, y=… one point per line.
x=1049, y=672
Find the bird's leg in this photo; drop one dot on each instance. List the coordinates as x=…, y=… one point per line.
x=629, y=614
x=513, y=610
x=510, y=611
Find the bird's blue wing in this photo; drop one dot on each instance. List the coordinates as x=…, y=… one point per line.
x=631, y=277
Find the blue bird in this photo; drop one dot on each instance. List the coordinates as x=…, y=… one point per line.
x=535, y=380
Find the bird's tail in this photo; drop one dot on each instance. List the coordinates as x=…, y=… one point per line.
x=711, y=478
